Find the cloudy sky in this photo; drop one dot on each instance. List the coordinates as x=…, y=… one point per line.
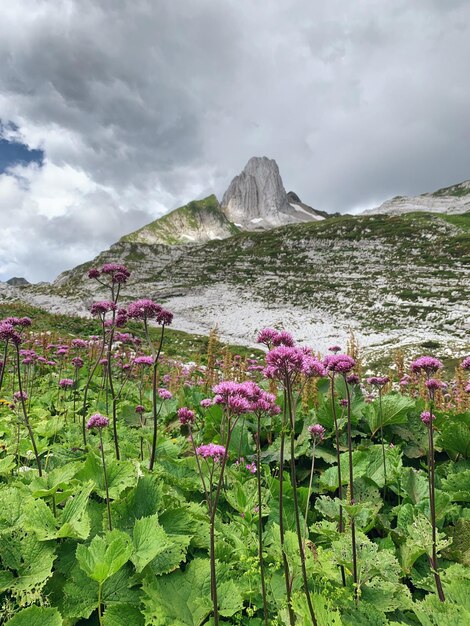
x=114, y=112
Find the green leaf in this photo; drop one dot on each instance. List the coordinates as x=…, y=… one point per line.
x=73, y=521
x=50, y=483
x=105, y=555
x=141, y=501
x=455, y=435
x=123, y=615
x=414, y=484
x=179, y=599
x=7, y=464
x=394, y=411
x=30, y=558
x=121, y=475
x=36, y=616
x=149, y=540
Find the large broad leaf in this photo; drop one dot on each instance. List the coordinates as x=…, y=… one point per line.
x=394, y=411
x=458, y=486
x=414, y=484
x=80, y=593
x=121, y=475
x=184, y=598
x=29, y=558
x=123, y=615
x=36, y=616
x=149, y=539
x=105, y=555
x=48, y=484
x=141, y=501
x=455, y=435
x=7, y=464
x=73, y=521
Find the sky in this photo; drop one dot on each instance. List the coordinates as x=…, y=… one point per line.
x=114, y=112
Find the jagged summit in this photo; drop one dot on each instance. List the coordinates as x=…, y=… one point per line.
x=18, y=281
x=196, y=222
x=256, y=199
x=451, y=200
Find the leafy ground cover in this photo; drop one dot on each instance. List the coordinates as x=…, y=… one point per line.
x=141, y=488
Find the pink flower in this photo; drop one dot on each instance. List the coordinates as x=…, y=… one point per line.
x=433, y=384
x=102, y=307
x=466, y=363
x=341, y=363
x=267, y=336
x=143, y=309
x=164, y=318
x=251, y=467
x=378, y=381
x=97, y=421
x=20, y=395
x=316, y=432
x=211, y=451
x=143, y=360
x=206, y=403
x=164, y=394
x=334, y=349
x=65, y=382
x=140, y=409
x=427, y=418
x=186, y=416
x=427, y=364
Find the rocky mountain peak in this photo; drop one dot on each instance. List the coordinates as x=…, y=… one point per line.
x=256, y=198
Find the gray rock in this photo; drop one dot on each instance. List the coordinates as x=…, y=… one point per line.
x=256, y=199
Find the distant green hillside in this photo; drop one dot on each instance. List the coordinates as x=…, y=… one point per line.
x=197, y=221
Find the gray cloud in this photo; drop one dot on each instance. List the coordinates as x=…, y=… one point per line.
x=142, y=105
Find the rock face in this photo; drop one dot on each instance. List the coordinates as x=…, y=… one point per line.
x=450, y=200
x=197, y=222
x=17, y=282
x=256, y=199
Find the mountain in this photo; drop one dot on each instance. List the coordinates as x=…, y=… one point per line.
x=256, y=199
x=395, y=280
x=18, y=281
x=450, y=200
x=199, y=221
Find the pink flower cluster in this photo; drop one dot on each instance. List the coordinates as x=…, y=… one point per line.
x=285, y=361
x=97, y=421
x=65, y=383
x=339, y=363
x=146, y=309
x=186, y=416
x=211, y=451
x=317, y=432
x=246, y=397
x=272, y=338
x=378, y=381
x=427, y=364
x=117, y=272
x=427, y=417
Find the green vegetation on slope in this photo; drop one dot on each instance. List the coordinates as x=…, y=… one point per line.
x=167, y=229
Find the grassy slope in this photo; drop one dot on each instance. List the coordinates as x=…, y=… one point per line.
x=165, y=230
x=177, y=343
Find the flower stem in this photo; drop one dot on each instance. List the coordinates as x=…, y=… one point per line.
x=105, y=476
x=154, y=398
x=432, y=504
x=338, y=461
x=351, y=493
x=260, y=522
x=281, y=514
x=296, y=504
x=25, y=413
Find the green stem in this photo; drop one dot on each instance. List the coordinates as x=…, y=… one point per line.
x=100, y=614
x=260, y=522
x=351, y=493
x=110, y=525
